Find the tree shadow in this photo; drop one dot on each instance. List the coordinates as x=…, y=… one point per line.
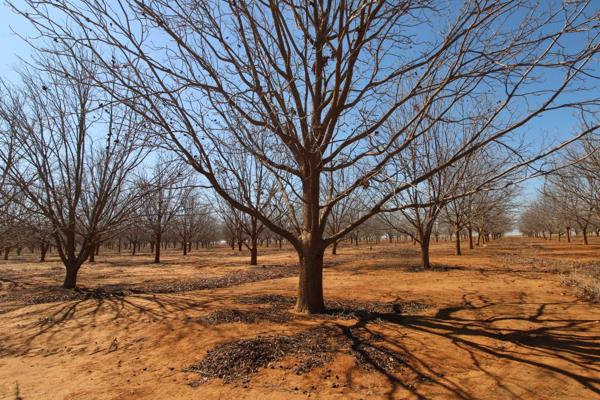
x=376, y=338
x=568, y=340
x=62, y=322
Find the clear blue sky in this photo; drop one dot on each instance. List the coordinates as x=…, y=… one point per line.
x=547, y=129
x=11, y=46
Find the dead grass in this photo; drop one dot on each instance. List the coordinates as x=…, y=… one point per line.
x=585, y=281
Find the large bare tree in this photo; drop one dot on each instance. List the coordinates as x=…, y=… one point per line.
x=306, y=86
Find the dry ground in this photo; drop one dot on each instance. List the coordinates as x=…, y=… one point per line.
x=495, y=323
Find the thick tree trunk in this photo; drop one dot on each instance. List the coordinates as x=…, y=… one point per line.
x=310, y=289
x=92, y=256
x=43, y=251
x=254, y=255
x=568, y=230
x=6, y=252
x=425, y=253
x=585, y=236
x=70, y=281
x=185, y=247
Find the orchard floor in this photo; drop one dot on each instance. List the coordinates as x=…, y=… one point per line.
x=499, y=326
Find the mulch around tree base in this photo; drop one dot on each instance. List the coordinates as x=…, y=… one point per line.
x=240, y=359
x=237, y=360
x=343, y=309
x=271, y=314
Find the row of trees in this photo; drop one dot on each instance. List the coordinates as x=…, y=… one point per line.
x=77, y=170
x=306, y=118
x=569, y=201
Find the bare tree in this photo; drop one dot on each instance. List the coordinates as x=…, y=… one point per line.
x=538, y=218
x=74, y=177
x=192, y=219
x=250, y=183
x=344, y=211
x=165, y=188
x=421, y=205
x=573, y=198
x=319, y=79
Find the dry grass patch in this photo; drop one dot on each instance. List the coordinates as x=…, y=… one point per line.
x=585, y=280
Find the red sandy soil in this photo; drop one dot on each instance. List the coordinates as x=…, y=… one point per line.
x=501, y=326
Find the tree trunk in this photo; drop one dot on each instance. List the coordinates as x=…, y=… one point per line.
x=254, y=252
x=585, y=236
x=92, y=256
x=43, y=251
x=568, y=230
x=458, y=251
x=70, y=281
x=6, y=252
x=334, y=248
x=471, y=238
x=425, y=253
x=310, y=289
x=157, y=248
x=254, y=243
x=185, y=247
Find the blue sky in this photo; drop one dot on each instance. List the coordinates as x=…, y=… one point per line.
x=11, y=46
x=549, y=128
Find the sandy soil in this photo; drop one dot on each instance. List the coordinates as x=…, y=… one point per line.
x=499, y=326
